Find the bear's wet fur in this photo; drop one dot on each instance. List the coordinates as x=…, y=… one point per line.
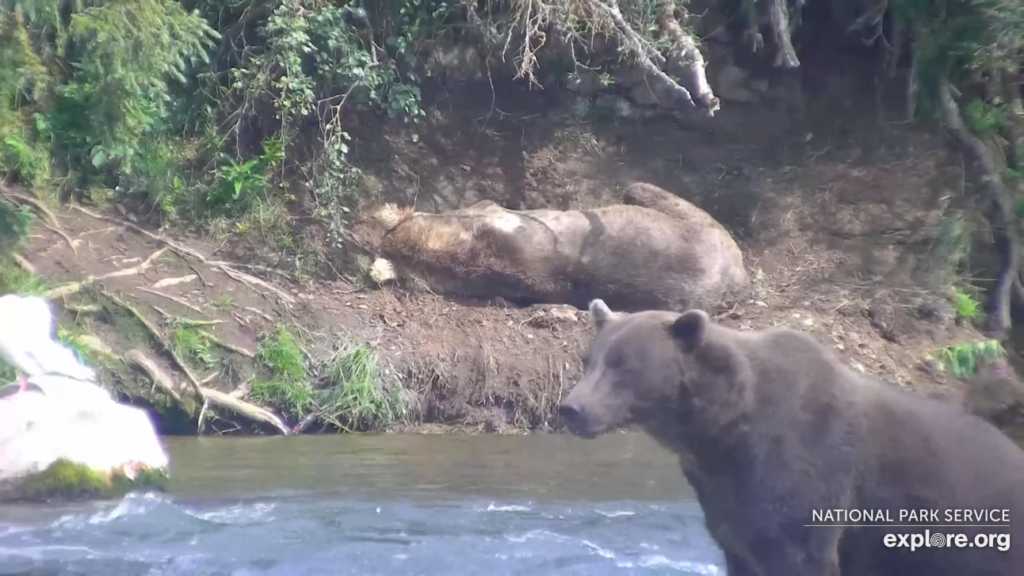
x=770, y=426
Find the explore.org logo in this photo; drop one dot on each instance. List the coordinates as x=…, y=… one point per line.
x=925, y=521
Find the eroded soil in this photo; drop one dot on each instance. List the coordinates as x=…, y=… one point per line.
x=837, y=220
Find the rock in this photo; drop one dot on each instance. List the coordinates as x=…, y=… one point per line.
x=64, y=437
x=731, y=83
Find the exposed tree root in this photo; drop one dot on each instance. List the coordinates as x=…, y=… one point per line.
x=159, y=337
x=50, y=219
x=227, y=268
x=208, y=396
x=252, y=282
x=183, y=250
x=24, y=264
x=158, y=376
x=686, y=57
x=172, y=299
x=778, y=17
x=226, y=345
x=1007, y=289
x=75, y=287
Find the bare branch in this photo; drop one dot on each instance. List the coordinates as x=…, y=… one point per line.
x=778, y=16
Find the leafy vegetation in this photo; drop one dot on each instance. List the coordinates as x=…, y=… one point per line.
x=234, y=116
x=963, y=359
x=345, y=391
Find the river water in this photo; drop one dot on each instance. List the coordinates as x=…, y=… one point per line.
x=382, y=505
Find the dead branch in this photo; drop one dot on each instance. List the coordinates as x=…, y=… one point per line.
x=778, y=17
x=226, y=345
x=172, y=299
x=24, y=264
x=209, y=396
x=647, y=57
x=159, y=337
x=75, y=287
x=685, y=56
x=242, y=408
x=992, y=192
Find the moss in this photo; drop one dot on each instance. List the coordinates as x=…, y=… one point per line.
x=65, y=480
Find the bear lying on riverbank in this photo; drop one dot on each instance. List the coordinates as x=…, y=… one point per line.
x=655, y=250
x=769, y=426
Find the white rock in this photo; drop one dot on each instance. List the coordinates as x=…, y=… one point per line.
x=63, y=413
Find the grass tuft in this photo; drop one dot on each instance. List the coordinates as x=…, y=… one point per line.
x=962, y=360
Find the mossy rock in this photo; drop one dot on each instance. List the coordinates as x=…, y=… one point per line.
x=65, y=481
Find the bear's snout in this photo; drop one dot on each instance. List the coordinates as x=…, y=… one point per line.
x=568, y=412
x=576, y=420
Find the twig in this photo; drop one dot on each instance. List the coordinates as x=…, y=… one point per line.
x=171, y=298
x=74, y=287
x=155, y=332
x=226, y=345
x=24, y=264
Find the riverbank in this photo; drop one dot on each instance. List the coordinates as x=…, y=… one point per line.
x=853, y=228
x=163, y=313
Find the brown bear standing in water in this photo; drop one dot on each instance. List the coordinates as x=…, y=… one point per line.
x=770, y=426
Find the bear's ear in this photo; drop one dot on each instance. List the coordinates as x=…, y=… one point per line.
x=689, y=329
x=600, y=313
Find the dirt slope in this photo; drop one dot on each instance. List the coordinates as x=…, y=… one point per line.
x=837, y=219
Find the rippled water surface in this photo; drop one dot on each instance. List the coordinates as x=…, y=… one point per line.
x=387, y=505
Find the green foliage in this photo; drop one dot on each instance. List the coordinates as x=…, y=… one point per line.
x=15, y=222
x=348, y=394
x=64, y=480
x=91, y=82
x=354, y=395
x=193, y=344
x=965, y=305
x=982, y=117
x=123, y=93
x=962, y=359
x=287, y=386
